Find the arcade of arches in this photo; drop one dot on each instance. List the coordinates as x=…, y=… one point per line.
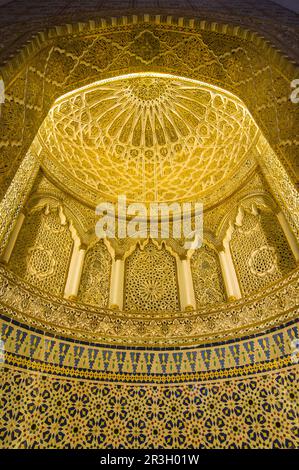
x=143, y=343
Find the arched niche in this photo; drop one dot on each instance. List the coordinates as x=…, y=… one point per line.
x=259, y=247
x=43, y=248
x=151, y=279
x=230, y=57
x=95, y=279
x=209, y=288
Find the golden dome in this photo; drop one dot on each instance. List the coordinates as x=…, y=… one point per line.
x=149, y=136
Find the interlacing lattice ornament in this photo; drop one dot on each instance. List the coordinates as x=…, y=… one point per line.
x=149, y=137
x=151, y=280
x=95, y=280
x=260, y=251
x=16, y=195
x=42, y=251
x=278, y=304
x=40, y=411
x=255, y=74
x=207, y=277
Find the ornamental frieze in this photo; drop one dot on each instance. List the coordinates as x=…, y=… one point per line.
x=275, y=305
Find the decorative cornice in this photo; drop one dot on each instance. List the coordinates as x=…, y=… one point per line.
x=275, y=305
x=37, y=41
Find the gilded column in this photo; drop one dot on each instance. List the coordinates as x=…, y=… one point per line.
x=75, y=270
x=289, y=235
x=186, y=288
x=279, y=181
x=15, y=198
x=13, y=238
x=116, y=297
x=229, y=273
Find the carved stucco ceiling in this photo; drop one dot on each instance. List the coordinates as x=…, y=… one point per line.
x=149, y=137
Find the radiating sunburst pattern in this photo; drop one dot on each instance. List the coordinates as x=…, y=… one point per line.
x=151, y=137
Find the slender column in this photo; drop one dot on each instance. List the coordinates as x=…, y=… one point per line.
x=289, y=235
x=280, y=183
x=186, y=289
x=116, y=297
x=75, y=271
x=14, y=200
x=229, y=274
x=13, y=238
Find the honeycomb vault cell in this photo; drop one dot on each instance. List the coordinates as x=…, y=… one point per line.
x=149, y=136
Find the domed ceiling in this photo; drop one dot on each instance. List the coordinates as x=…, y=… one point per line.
x=149, y=137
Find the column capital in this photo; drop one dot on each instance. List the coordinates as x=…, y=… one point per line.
x=83, y=246
x=119, y=256
x=219, y=248
x=277, y=210
x=122, y=247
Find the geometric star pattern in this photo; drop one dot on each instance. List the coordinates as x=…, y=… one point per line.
x=152, y=137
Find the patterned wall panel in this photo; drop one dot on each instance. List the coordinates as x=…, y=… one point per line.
x=150, y=280
x=95, y=280
x=40, y=411
x=42, y=252
x=235, y=65
x=61, y=356
x=255, y=313
x=260, y=251
x=58, y=393
x=207, y=277
x=135, y=135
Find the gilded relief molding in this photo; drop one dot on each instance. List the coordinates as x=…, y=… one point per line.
x=272, y=306
x=152, y=137
x=190, y=50
x=15, y=198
